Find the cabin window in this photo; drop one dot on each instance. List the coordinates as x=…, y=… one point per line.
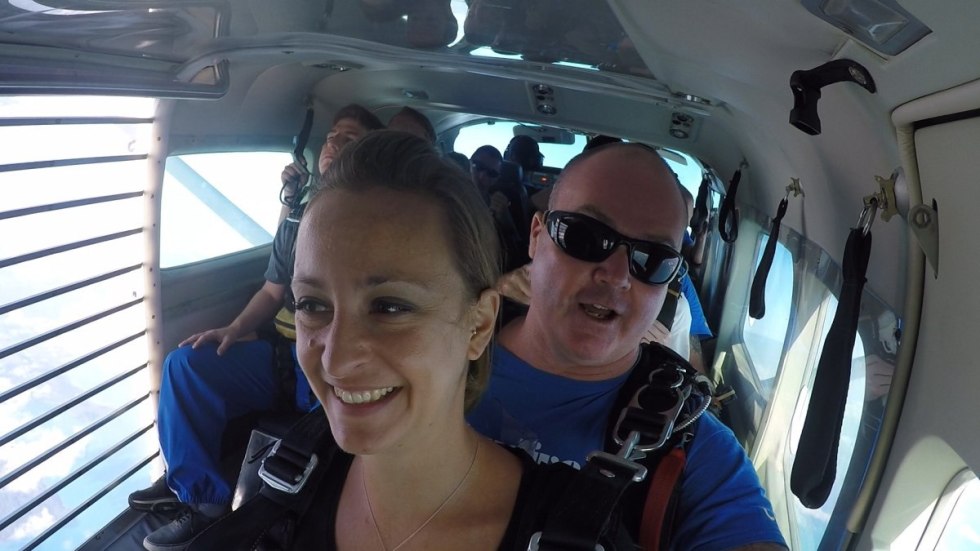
x=76, y=426
x=764, y=337
x=961, y=531
x=499, y=134
x=215, y=204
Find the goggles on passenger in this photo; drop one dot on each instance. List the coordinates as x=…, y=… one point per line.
x=480, y=167
x=585, y=238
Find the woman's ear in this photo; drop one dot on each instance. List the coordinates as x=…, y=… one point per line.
x=483, y=319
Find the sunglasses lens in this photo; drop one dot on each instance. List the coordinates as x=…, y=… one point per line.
x=583, y=240
x=653, y=264
x=480, y=167
x=589, y=240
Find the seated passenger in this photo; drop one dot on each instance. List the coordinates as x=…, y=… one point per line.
x=485, y=169
x=462, y=161
x=602, y=259
x=395, y=312
x=524, y=151
x=411, y=121
x=219, y=374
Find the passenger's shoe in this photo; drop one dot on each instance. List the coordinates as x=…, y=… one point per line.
x=179, y=533
x=157, y=497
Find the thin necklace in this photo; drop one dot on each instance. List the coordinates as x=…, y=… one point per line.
x=438, y=510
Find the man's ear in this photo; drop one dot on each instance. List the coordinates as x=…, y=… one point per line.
x=484, y=320
x=537, y=229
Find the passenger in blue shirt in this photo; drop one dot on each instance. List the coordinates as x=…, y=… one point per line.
x=557, y=370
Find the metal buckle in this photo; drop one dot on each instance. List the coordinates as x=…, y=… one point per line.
x=669, y=415
x=623, y=459
x=535, y=542
x=288, y=486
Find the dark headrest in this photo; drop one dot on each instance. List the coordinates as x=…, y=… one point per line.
x=524, y=151
x=510, y=172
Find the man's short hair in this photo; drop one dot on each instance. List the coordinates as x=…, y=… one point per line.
x=420, y=119
x=358, y=113
x=588, y=153
x=488, y=150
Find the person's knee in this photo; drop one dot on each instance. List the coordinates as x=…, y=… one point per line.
x=187, y=362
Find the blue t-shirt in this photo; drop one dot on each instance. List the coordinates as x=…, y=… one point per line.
x=722, y=505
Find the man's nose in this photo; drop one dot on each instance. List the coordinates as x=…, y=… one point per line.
x=615, y=271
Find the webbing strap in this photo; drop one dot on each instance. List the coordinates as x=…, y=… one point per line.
x=757, y=299
x=815, y=466
x=580, y=518
x=728, y=217
x=700, y=215
x=658, y=500
x=669, y=309
x=267, y=520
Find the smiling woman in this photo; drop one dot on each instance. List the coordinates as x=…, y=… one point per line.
x=395, y=310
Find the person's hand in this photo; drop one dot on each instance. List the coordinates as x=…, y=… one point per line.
x=224, y=336
x=499, y=204
x=878, y=377
x=656, y=333
x=294, y=177
x=516, y=285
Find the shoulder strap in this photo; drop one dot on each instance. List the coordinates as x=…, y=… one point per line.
x=290, y=475
x=669, y=309
x=662, y=399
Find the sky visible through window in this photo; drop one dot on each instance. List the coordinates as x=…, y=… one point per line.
x=27, y=234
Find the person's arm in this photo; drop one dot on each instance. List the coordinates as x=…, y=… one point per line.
x=696, y=358
x=516, y=285
x=264, y=304
x=722, y=504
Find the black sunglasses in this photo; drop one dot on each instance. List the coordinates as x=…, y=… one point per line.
x=480, y=167
x=585, y=238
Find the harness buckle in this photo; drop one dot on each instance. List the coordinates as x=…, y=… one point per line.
x=287, y=470
x=653, y=409
x=535, y=543
x=622, y=460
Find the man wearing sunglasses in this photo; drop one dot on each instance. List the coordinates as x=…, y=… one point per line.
x=603, y=255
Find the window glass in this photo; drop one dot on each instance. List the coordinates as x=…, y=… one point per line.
x=764, y=337
x=499, y=134
x=219, y=203
x=962, y=530
x=73, y=350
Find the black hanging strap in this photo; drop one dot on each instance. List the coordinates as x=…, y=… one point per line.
x=757, y=299
x=700, y=216
x=816, y=457
x=728, y=217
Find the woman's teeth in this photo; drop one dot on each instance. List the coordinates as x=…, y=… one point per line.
x=362, y=396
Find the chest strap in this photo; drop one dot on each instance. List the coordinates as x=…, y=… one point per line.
x=658, y=406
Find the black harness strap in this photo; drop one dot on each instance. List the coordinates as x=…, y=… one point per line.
x=815, y=466
x=669, y=309
x=294, y=201
x=728, y=217
x=757, y=299
x=267, y=521
x=700, y=215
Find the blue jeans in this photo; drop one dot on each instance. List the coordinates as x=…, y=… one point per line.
x=200, y=392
